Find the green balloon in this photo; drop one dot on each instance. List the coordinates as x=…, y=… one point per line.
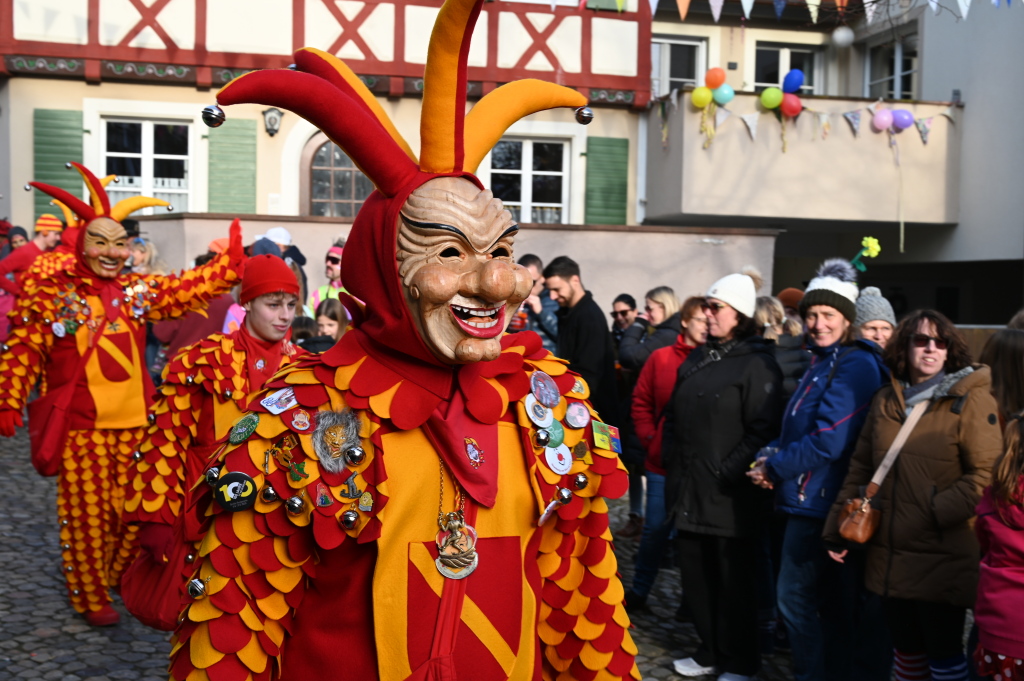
x=771, y=98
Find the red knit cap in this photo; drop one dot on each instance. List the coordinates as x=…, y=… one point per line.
x=267, y=274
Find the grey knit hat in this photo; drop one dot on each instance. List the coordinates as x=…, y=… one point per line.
x=872, y=306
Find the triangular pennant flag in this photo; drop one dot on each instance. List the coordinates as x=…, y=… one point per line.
x=869, y=10
x=620, y=4
x=812, y=7
x=748, y=7
x=948, y=113
x=995, y=3
x=583, y=5
x=684, y=7
x=751, y=120
x=780, y=6
x=654, y=7
x=853, y=118
x=720, y=116
x=841, y=6
x=934, y=4
x=924, y=126
x=716, y=8
x=965, y=5
x=873, y=106
x=825, y=123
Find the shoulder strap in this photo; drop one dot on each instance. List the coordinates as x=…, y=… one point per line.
x=712, y=355
x=896, y=446
x=835, y=365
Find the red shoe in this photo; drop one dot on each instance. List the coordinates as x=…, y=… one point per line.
x=105, y=617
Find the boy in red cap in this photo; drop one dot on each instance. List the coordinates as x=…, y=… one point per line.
x=206, y=389
x=48, y=230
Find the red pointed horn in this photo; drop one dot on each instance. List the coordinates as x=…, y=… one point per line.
x=83, y=210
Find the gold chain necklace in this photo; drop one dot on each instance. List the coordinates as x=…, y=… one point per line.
x=456, y=541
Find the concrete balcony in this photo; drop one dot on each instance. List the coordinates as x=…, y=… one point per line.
x=739, y=181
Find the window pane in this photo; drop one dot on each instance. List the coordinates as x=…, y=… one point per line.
x=881, y=62
x=340, y=159
x=168, y=168
x=515, y=210
x=320, y=208
x=128, y=168
x=549, y=216
x=547, y=156
x=547, y=189
x=342, y=210
x=322, y=157
x=363, y=186
x=507, y=156
x=179, y=202
x=682, y=62
x=124, y=137
x=766, y=66
x=170, y=139
x=805, y=62
x=342, y=185
x=507, y=187
x=321, y=184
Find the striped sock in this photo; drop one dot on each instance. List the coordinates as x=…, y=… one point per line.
x=911, y=667
x=951, y=669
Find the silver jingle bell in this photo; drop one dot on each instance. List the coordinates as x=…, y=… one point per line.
x=294, y=505
x=64, y=522
x=197, y=589
x=151, y=418
x=580, y=481
x=212, y=476
x=190, y=558
x=69, y=568
x=542, y=438
x=584, y=115
x=349, y=519
x=564, y=496
x=65, y=547
x=269, y=495
x=214, y=116
x=75, y=592
x=137, y=455
x=190, y=380
x=227, y=394
x=354, y=456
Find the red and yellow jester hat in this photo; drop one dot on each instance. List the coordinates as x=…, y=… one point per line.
x=324, y=91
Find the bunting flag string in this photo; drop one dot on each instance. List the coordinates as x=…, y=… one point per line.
x=751, y=120
x=654, y=6
x=812, y=7
x=853, y=118
x=869, y=11
x=721, y=116
x=780, y=6
x=948, y=113
x=716, y=8
x=824, y=124
x=965, y=6
x=934, y=4
x=683, y=6
x=924, y=126
x=748, y=7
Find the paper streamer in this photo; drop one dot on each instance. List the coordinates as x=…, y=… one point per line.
x=853, y=118
x=812, y=7
x=751, y=122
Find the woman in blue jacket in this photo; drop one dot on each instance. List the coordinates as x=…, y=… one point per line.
x=806, y=467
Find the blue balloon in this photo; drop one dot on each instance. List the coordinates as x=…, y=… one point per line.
x=793, y=81
x=723, y=94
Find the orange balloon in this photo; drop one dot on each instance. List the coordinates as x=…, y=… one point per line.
x=714, y=78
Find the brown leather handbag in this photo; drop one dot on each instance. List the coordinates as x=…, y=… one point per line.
x=858, y=519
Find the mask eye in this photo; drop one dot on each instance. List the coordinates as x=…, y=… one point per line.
x=500, y=252
x=450, y=252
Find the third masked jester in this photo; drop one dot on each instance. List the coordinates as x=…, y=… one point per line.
x=426, y=500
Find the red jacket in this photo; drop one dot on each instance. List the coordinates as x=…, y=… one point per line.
x=652, y=392
x=999, y=609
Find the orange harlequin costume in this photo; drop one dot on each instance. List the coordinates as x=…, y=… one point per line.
x=56, y=322
x=321, y=553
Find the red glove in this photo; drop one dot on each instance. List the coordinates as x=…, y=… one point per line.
x=8, y=420
x=155, y=539
x=235, y=248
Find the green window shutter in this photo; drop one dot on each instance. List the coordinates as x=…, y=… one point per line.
x=232, y=184
x=607, y=180
x=604, y=4
x=57, y=139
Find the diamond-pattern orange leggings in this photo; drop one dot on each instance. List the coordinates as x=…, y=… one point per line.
x=96, y=546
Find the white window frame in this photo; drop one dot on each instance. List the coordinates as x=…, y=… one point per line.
x=526, y=171
x=95, y=111
x=785, y=59
x=661, y=66
x=148, y=156
x=898, y=73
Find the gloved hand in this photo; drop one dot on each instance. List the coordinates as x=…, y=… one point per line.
x=155, y=539
x=235, y=248
x=8, y=420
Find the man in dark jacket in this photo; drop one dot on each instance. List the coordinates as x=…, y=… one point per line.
x=539, y=312
x=583, y=337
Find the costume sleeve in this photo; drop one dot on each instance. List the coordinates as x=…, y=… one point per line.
x=645, y=421
x=862, y=469
x=981, y=443
x=841, y=414
x=762, y=416
x=27, y=348
x=18, y=261
x=174, y=295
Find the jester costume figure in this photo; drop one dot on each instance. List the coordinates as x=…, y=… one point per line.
x=80, y=335
x=426, y=500
x=205, y=391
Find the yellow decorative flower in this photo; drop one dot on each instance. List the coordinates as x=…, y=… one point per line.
x=871, y=246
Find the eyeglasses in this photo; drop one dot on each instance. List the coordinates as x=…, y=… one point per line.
x=620, y=313
x=713, y=308
x=920, y=340
x=333, y=260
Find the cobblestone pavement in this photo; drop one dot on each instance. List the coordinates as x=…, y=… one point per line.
x=42, y=638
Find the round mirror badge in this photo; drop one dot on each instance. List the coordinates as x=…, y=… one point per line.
x=544, y=389
x=537, y=412
x=559, y=459
x=577, y=415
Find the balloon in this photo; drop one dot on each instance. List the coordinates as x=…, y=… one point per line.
x=793, y=81
x=701, y=97
x=791, y=105
x=902, y=119
x=842, y=36
x=771, y=98
x=723, y=94
x=882, y=120
x=714, y=78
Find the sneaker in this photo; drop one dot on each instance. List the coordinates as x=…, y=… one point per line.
x=633, y=527
x=104, y=617
x=729, y=676
x=689, y=667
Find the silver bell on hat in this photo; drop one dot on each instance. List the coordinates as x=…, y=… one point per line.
x=214, y=116
x=584, y=115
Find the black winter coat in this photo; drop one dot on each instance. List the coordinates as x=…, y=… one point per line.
x=585, y=342
x=793, y=359
x=718, y=419
x=638, y=342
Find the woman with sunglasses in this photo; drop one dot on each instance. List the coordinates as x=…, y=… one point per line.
x=806, y=466
x=332, y=270
x=923, y=558
x=725, y=407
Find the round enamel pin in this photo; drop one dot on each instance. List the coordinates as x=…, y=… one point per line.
x=544, y=389
x=578, y=387
x=300, y=419
x=577, y=415
x=244, y=428
x=559, y=459
x=235, y=492
x=537, y=412
x=59, y=330
x=556, y=433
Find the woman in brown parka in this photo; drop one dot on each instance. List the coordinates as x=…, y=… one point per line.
x=923, y=558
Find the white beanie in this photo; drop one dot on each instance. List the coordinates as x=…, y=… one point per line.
x=738, y=290
x=834, y=285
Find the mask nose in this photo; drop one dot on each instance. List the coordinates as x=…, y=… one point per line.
x=495, y=282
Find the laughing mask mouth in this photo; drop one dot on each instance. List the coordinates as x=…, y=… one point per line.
x=455, y=260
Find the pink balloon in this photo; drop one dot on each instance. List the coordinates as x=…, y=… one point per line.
x=882, y=120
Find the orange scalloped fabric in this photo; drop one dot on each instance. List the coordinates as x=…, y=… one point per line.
x=257, y=565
